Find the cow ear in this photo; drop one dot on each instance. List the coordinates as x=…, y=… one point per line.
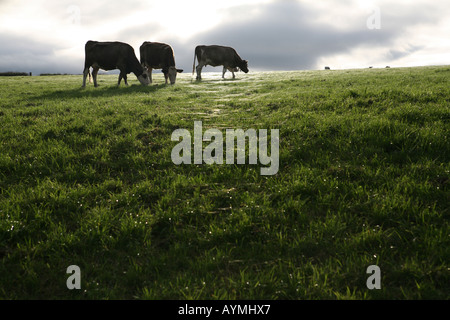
x=179, y=70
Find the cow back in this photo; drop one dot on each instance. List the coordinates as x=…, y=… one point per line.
x=157, y=55
x=112, y=55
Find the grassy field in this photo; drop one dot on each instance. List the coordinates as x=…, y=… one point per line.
x=86, y=179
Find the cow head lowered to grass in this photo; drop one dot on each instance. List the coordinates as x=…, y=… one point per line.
x=171, y=73
x=155, y=55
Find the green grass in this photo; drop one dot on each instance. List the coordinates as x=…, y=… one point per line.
x=86, y=179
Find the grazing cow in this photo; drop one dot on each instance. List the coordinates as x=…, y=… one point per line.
x=155, y=55
x=110, y=56
x=218, y=56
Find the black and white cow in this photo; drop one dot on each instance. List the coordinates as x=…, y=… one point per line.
x=155, y=55
x=110, y=56
x=218, y=56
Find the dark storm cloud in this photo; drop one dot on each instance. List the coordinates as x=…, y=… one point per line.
x=14, y=45
x=285, y=35
x=25, y=54
x=397, y=54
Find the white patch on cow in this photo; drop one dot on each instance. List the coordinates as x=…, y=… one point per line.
x=172, y=75
x=144, y=78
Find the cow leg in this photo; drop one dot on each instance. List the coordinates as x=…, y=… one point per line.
x=150, y=75
x=199, y=71
x=223, y=72
x=94, y=76
x=149, y=71
x=85, y=74
x=232, y=72
x=123, y=76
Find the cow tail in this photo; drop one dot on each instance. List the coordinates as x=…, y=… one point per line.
x=197, y=54
x=89, y=73
x=193, y=65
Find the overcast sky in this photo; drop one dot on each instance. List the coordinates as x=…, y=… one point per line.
x=48, y=36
